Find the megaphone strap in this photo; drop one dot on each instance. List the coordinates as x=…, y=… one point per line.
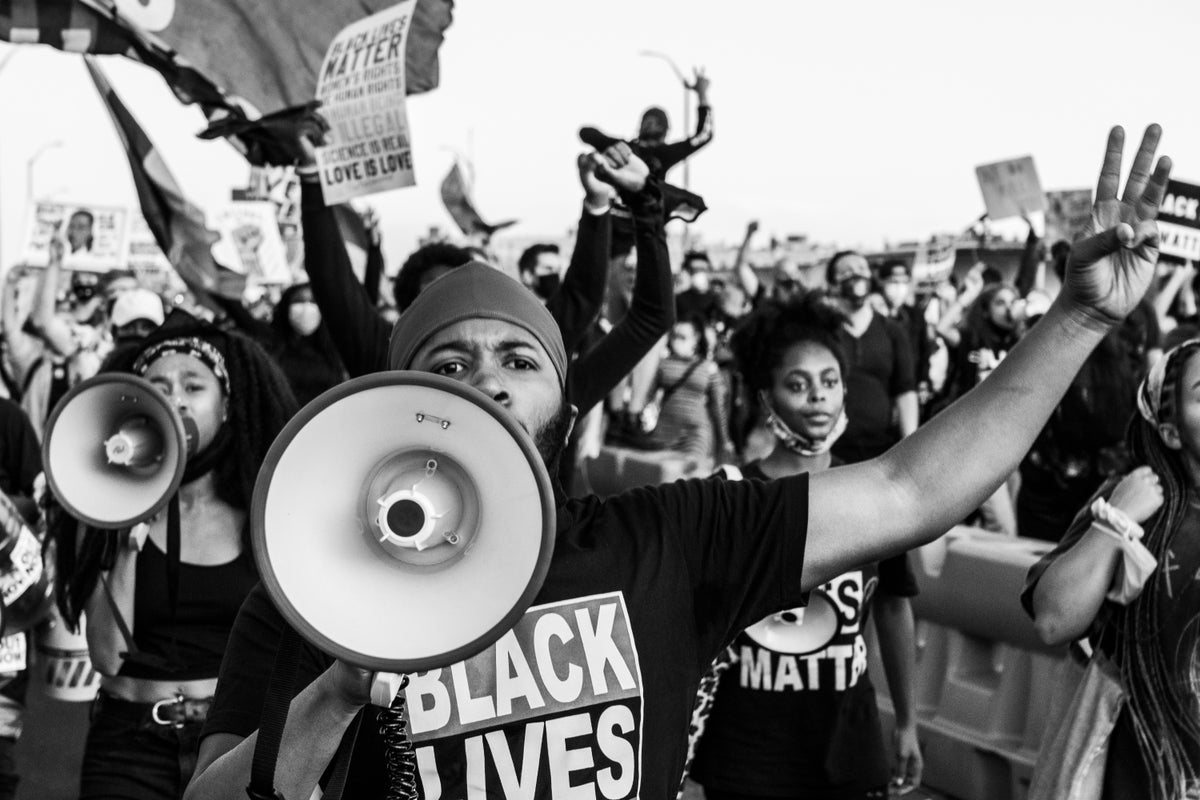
x=274, y=716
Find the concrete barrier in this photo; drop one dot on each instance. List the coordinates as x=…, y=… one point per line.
x=985, y=684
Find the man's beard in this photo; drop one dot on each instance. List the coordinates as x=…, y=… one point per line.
x=551, y=439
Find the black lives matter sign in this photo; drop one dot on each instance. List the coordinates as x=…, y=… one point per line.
x=1179, y=221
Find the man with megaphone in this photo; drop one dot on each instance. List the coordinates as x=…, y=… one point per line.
x=591, y=690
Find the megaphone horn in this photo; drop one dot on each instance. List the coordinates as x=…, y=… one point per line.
x=403, y=521
x=114, y=450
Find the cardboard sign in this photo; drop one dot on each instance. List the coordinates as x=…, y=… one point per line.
x=1010, y=188
x=362, y=90
x=1179, y=221
x=1067, y=214
x=94, y=236
x=144, y=254
x=933, y=262
x=250, y=242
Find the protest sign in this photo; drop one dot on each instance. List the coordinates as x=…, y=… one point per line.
x=934, y=261
x=1010, y=188
x=1179, y=221
x=144, y=254
x=250, y=243
x=94, y=235
x=361, y=88
x=1067, y=213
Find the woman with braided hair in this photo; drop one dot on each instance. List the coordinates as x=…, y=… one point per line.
x=1089, y=585
x=157, y=621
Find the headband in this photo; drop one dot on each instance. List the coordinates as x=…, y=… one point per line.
x=203, y=351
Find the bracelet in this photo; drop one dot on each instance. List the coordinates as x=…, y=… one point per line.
x=1115, y=522
x=308, y=173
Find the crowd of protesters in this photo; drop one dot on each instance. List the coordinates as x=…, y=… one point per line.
x=725, y=368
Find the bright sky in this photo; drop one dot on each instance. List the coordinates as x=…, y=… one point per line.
x=853, y=122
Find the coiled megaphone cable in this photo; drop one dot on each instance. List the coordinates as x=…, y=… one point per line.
x=400, y=756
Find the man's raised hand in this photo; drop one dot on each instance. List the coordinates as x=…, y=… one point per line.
x=618, y=166
x=1109, y=271
x=598, y=194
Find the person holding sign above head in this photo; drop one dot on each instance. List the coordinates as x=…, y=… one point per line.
x=592, y=690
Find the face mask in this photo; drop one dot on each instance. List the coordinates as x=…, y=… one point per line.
x=854, y=287
x=546, y=285
x=799, y=443
x=895, y=294
x=305, y=317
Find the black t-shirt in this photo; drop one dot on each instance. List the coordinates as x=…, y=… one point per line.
x=879, y=369
x=593, y=688
x=795, y=714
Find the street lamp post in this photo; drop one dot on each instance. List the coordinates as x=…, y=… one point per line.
x=31, y=162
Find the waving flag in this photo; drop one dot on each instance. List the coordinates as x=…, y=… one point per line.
x=267, y=52
x=457, y=198
x=178, y=226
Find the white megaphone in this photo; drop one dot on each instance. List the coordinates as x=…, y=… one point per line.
x=115, y=450
x=403, y=521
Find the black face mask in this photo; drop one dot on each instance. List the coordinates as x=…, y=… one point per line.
x=546, y=285
x=854, y=288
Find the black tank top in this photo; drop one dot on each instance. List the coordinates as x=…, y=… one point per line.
x=192, y=641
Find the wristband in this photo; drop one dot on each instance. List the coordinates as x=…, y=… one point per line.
x=307, y=173
x=1115, y=522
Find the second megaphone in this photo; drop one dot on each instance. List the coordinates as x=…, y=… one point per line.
x=115, y=450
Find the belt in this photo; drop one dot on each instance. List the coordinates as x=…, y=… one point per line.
x=173, y=712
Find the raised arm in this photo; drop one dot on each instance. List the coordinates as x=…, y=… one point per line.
x=931, y=480
x=671, y=154
x=746, y=274
x=577, y=302
x=652, y=311
x=359, y=331
x=45, y=319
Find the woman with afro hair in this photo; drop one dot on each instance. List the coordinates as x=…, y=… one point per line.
x=794, y=713
x=157, y=621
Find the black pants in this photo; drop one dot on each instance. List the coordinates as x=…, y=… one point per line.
x=128, y=756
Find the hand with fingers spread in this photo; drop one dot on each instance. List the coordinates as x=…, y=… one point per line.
x=1109, y=271
x=618, y=166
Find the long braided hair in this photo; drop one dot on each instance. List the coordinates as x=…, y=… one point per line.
x=260, y=404
x=1161, y=703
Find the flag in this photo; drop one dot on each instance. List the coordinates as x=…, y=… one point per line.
x=457, y=198
x=267, y=52
x=178, y=226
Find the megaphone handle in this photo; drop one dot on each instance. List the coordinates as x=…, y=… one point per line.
x=384, y=688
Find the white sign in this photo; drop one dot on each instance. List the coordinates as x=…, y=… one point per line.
x=1011, y=188
x=933, y=262
x=94, y=236
x=144, y=253
x=250, y=241
x=361, y=88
